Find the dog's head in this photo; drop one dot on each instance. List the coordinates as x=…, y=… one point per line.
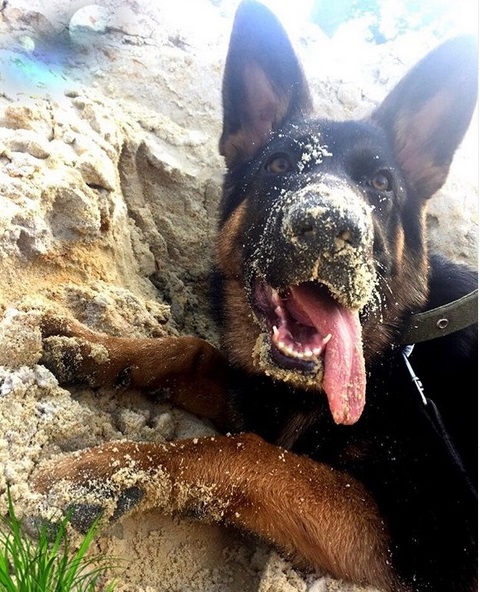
x=321, y=241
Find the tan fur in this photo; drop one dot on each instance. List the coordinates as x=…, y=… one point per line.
x=228, y=251
x=180, y=367
x=331, y=524
x=241, y=331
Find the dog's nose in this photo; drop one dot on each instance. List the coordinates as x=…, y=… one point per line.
x=318, y=227
x=326, y=219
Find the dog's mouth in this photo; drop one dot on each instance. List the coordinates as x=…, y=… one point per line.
x=312, y=341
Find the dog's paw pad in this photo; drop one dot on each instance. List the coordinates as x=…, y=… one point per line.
x=34, y=526
x=82, y=515
x=73, y=359
x=127, y=500
x=85, y=508
x=61, y=355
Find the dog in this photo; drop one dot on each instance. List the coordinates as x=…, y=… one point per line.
x=333, y=450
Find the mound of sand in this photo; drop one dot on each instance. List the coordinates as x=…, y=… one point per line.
x=109, y=185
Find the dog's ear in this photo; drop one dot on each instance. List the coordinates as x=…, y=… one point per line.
x=427, y=114
x=263, y=82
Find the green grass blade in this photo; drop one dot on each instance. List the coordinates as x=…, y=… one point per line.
x=48, y=564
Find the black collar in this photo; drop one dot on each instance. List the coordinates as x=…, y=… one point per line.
x=442, y=320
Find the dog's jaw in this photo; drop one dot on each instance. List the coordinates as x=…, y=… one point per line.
x=297, y=343
x=311, y=341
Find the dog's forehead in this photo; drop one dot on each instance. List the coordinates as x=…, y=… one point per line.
x=333, y=137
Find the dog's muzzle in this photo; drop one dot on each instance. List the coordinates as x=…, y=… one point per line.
x=322, y=233
x=310, y=275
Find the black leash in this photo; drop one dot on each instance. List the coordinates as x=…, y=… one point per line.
x=434, y=419
x=431, y=324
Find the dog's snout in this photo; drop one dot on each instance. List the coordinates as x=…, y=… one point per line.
x=317, y=222
x=322, y=232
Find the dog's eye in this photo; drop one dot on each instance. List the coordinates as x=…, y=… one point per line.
x=278, y=164
x=381, y=181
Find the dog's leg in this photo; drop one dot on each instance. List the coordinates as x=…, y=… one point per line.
x=187, y=371
x=319, y=517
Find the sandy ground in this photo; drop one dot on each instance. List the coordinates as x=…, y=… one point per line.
x=109, y=183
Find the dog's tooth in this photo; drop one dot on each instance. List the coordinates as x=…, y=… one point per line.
x=291, y=352
x=327, y=339
x=275, y=296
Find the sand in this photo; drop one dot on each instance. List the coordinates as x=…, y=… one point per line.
x=109, y=185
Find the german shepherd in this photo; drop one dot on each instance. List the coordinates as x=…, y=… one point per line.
x=321, y=261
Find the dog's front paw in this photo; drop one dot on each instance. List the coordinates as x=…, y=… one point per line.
x=103, y=483
x=90, y=506
x=81, y=508
x=74, y=359
x=52, y=323
x=71, y=351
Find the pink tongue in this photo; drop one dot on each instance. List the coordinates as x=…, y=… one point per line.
x=344, y=379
